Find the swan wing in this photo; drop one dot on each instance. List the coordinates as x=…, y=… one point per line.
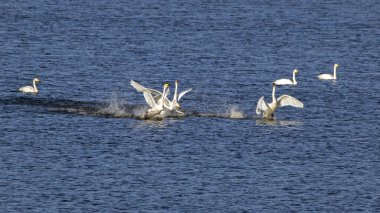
x=286, y=100
x=27, y=89
x=138, y=86
x=149, y=94
x=155, y=94
x=261, y=106
x=149, y=99
x=183, y=93
x=141, y=88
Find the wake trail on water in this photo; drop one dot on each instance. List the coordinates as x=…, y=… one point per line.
x=231, y=111
x=115, y=107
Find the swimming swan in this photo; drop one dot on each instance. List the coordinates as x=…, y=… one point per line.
x=329, y=76
x=284, y=81
x=267, y=110
x=30, y=89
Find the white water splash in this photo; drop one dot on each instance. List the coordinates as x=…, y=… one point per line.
x=234, y=112
x=139, y=112
x=115, y=107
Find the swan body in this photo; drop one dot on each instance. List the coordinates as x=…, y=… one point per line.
x=284, y=81
x=329, y=76
x=174, y=107
x=30, y=89
x=157, y=108
x=267, y=110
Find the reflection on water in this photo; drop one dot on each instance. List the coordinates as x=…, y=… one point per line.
x=266, y=122
x=158, y=123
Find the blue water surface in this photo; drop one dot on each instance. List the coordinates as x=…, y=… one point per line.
x=77, y=145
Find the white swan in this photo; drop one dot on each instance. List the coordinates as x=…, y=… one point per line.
x=267, y=110
x=284, y=81
x=174, y=106
x=329, y=76
x=157, y=109
x=30, y=89
x=156, y=95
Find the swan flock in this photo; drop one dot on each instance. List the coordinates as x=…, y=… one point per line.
x=160, y=106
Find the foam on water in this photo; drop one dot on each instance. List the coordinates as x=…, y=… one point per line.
x=115, y=107
x=234, y=112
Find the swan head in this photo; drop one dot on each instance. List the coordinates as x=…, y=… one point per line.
x=336, y=65
x=37, y=80
x=166, y=85
x=295, y=71
x=176, y=81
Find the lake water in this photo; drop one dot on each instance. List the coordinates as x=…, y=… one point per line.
x=77, y=146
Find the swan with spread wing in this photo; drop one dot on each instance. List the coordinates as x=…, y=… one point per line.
x=267, y=110
x=157, y=108
x=171, y=107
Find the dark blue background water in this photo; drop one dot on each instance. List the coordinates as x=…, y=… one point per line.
x=75, y=147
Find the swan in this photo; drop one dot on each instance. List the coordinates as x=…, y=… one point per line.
x=267, y=110
x=30, y=89
x=157, y=108
x=284, y=81
x=174, y=106
x=329, y=76
x=170, y=106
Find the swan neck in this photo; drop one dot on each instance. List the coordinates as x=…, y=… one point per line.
x=335, y=72
x=175, y=98
x=163, y=96
x=34, y=85
x=274, y=93
x=294, y=78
